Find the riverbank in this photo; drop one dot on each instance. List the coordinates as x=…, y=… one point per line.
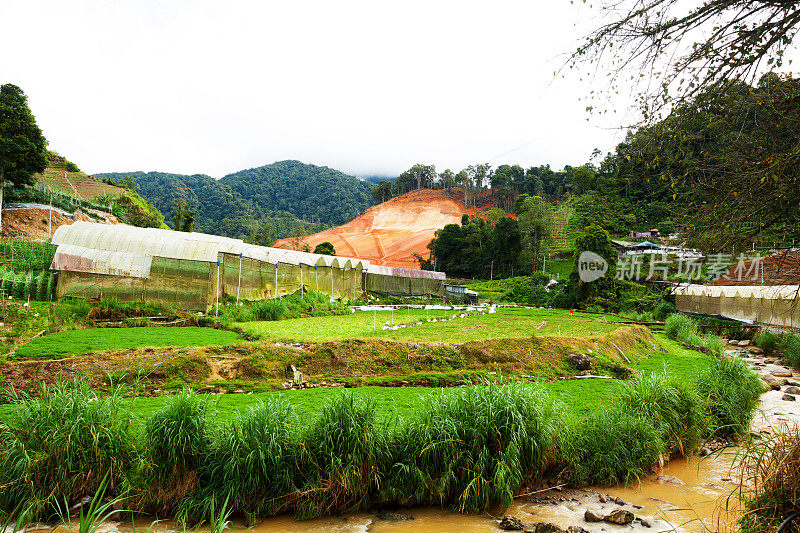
x=472, y=449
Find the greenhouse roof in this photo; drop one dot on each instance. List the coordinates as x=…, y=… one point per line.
x=180, y=245
x=404, y=272
x=93, y=261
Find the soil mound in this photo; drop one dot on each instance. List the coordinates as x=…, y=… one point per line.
x=390, y=233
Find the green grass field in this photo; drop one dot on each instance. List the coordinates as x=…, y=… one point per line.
x=82, y=341
x=505, y=323
x=579, y=398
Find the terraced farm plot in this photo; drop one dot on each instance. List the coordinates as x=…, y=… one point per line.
x=78, y=184
x=578, y=398
x=505, y=323
x=82, y=341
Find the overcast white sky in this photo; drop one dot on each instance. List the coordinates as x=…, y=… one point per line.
x=365, y=87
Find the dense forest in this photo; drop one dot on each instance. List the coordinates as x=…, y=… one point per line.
x=261, y=204
x=506, y=182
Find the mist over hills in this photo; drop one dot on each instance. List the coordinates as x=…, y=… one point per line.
x=284, y=195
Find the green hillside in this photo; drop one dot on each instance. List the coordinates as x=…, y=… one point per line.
x=310, y=192
x=284, y=197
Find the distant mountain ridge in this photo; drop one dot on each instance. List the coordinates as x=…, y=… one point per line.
x=285, y=194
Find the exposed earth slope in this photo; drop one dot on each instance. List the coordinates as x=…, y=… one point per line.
x=389, y=233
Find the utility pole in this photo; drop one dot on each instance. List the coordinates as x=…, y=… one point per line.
x=491, y=271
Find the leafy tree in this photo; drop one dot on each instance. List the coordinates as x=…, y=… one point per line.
x=298, y=236
x=325, y=248
x=265, y=235
x=604, y=291
x=23, y=148
x=584, y=178
x=536, y=223
x=724, y=167
x=447, y=179
x=382, y=191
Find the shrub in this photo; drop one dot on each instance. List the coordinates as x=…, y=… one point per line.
x=295, y=305
x=29, y=287
x=612, y=447
x=767, y=341
x=342, y=458
x=41, y=285
x=60, y=446
x=177, y=442
x=18, y=288
x=674, y=408
x=51, y=286
x=474, y=447
x=733, y=393
x=662, y=310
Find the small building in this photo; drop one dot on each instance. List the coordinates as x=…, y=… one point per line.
x=461, y=294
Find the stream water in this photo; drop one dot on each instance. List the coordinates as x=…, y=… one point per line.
x=694, y=495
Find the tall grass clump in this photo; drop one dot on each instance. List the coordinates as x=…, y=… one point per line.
x=177, y=443
x=59, y=447
x=770, y=481
x=474, y=447
x=683, y=329
x=767, y=341
x=732, y=391
x=274, y=309
x=714, y=344
x=297, y=305
x=342, y=458
x=70, y=313
x=792, y=348
x=674, y=408
x=678, y=327
x=251, y=465
x=612, y=448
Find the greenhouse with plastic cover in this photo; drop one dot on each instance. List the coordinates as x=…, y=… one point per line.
x=194, y=270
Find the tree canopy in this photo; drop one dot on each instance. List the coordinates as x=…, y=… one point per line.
x=23, y=148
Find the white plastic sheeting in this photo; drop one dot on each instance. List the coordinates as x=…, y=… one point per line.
x=94, y=261
x=766, y=304
x=404, y=272
x=142, y=241
x=191, y=246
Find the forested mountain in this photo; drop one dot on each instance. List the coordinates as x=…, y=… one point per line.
x=210, y=200
x=320, y=194
x=259, y=204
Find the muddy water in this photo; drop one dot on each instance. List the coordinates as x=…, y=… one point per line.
x=668, y=507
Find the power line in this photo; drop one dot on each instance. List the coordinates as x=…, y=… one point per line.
x=512, y=150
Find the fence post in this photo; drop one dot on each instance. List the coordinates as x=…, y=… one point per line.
x=239, y=283
x=216, y=312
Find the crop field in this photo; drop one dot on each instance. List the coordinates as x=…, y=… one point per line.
x=578, y=398
x=82, y=341
x=78, y=185
x=505, y=323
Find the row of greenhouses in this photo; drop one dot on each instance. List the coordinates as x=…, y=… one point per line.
x=194, y=270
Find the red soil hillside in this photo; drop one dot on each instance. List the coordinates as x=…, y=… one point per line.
x=389, y=233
